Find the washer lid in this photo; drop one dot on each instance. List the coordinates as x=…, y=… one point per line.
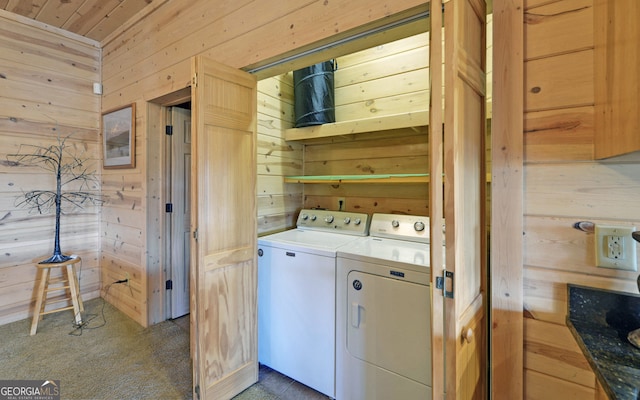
x=310, y=241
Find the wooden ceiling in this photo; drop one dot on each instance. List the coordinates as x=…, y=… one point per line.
x=94, y=19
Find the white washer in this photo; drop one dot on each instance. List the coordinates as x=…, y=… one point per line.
x=383, y=328
x=296, y=295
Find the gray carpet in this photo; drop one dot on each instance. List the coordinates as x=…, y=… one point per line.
x=115, y=358
x=118, y=360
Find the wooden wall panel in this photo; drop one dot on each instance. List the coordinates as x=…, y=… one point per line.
x=543, y=387
x=584, y=190
x=551, y=349
x=409, y=54
x=561, y=81
x=124, y=232
x=563, y=185
x=232, y=32
x=45, y=91
x=546, y=293
x=278, y=202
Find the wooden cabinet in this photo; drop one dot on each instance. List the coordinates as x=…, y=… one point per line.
x=617, y=89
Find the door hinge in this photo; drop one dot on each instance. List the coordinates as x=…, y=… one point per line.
x=194, y=80
x=168, y=285
x=195, y=235
x=197, y=390
x=168, y=130
x=442, y=284
x=168, y=207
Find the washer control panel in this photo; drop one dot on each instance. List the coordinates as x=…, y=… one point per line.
x=414, y=228
x=336, y=221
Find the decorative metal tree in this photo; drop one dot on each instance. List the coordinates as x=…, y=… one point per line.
x=69, y=169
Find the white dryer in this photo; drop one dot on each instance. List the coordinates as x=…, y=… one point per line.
x=383, y=325
x=296, y=295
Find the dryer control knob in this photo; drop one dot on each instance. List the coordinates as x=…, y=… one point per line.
x=357, y=221
x=328, y=219
x=313, y=217
x=418, y=226
x=395, y=223
x=347, y=221
x=304, y=217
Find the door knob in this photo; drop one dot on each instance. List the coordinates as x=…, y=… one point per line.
x=467, y=334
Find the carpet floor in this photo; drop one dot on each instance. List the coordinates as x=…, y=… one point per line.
x=113, y=357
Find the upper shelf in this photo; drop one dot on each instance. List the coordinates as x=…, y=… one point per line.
x=346, y=128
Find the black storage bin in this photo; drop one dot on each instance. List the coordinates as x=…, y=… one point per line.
x=313, y=90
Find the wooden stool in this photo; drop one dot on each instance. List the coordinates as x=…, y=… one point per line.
x=70, y=282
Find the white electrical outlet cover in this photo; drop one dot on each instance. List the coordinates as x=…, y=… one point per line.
x=627, y=246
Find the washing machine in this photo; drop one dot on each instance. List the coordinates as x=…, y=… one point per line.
x=297, y=297
x=383, y=317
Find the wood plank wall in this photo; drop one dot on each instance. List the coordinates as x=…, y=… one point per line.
x=123, y=231
x=278, y=202
x=563, y=185
x=46, y=80
x=150, y=58
x=388, y=79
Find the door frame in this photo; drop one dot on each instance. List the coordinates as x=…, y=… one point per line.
x=157, y=170
x=506, y=299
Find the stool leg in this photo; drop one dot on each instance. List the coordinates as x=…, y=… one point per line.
x=75, y=277
x=44, y=278
x=75, y=292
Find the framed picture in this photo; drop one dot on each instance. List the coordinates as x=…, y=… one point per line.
x=119, y=137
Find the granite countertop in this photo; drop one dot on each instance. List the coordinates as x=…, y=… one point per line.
x=600, y=321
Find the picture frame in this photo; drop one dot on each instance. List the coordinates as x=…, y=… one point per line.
x=119, y=137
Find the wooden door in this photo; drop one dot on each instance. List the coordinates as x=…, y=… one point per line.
x=459, y=333
x=180, y=214
x=224, y=265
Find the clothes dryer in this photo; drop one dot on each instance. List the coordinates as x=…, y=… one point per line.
x=383, y=327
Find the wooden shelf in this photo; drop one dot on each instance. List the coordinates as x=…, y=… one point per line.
x=336, y=179
x=397, y=121
x=388, y=178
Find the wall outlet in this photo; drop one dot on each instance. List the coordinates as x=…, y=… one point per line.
x=342, y=204
x=615, y=248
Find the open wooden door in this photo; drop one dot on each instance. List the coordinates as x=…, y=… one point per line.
x=459, y=307
x=224, y=265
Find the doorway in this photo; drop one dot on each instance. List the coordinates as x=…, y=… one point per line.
x=178, y=162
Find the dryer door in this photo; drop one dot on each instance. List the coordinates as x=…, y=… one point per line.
x=389, y=324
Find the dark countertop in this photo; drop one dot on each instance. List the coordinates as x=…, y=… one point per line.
x=600, y=321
